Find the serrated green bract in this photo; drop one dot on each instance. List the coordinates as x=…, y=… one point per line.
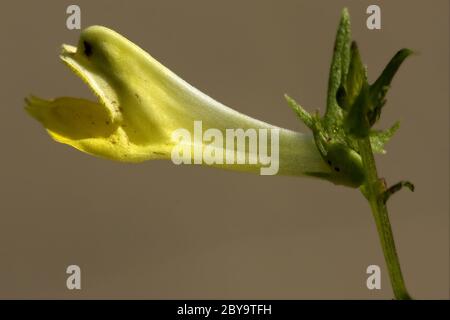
x=353, y=107
x=338, y=71
x=378, y=138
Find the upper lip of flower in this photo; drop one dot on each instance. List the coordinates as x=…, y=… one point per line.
x=78, y=64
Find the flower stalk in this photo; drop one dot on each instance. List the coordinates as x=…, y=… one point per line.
x=373, y=189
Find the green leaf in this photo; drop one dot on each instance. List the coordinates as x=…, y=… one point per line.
x=380, y=87
x=304, y=115
x=338, y=70
x=379, y=138
x=396, y=188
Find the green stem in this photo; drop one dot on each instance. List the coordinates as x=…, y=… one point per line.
x=373, y=189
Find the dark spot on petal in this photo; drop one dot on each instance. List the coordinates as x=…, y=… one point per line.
x=87, y=48
x=337, y=169
x=329, y=162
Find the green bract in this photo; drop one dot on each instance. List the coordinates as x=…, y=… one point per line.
x=353, y=107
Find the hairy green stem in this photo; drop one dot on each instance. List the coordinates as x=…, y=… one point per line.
x=373, y=189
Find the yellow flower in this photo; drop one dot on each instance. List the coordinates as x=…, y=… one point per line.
x=141, y=104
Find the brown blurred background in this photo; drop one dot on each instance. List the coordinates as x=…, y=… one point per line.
x=155, y=230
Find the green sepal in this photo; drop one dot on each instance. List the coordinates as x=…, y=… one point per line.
x=351, y=85
x=356, y=122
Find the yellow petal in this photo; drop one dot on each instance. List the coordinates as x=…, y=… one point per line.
x=141, y=103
